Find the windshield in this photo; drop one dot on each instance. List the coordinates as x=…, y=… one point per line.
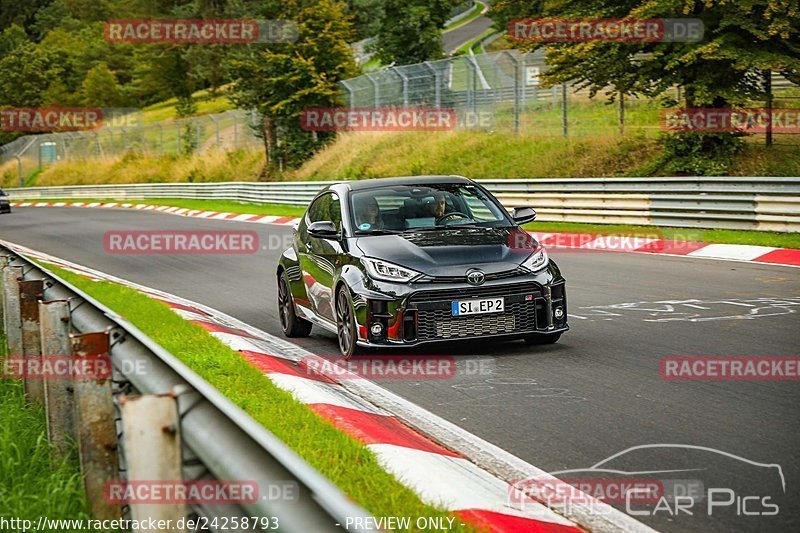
x=419, y=208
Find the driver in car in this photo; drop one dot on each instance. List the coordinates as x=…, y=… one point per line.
x=437, y=207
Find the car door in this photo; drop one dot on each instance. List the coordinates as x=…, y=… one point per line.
x=319, y=257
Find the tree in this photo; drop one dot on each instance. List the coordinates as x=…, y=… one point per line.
x=100, y=88
x=411, y=30
x=742, y=40
x=281, y=80
x=27, y=73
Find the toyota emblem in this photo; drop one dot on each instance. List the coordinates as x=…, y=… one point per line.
x=475, y=277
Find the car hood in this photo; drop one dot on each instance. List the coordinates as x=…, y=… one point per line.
x=453, y=251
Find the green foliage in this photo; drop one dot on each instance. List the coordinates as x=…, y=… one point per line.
x=282, y=80
x=100, y=88
x=699, y=154
x=367, y=16
x=742, y=40
x=27, y=73
x=411, y=30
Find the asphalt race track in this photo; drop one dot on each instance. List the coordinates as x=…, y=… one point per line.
x=596, y=393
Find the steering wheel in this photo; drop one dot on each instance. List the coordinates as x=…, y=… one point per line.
x=448, y=216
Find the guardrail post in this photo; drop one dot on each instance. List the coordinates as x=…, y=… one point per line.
x=151, y=428
x=30, y=292
x=94, y=420
x=564, y=109
x=58, y=398
x=12, y=321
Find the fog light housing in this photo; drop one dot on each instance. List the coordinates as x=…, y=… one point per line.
x=559, y=313
x=376, y=329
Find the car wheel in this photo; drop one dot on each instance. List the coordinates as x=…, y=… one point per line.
x=293, y=325
x=345, y=323
x=538, y=339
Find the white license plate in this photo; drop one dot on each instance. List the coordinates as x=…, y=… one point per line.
x=478, y=307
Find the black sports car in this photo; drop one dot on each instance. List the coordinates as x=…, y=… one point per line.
x=404, y=261
x=5, y=204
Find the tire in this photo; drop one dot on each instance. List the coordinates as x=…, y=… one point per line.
x=539, y=339
x=293, y=326
x=345, y=323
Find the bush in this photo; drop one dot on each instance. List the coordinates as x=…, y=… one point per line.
x=700, y=154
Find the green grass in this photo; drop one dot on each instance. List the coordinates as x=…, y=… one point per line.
x=342, y=459
x=223, y=206
x=32, y=482
x=206, y=102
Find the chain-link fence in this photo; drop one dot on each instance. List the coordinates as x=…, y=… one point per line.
x=490, y=92
x=503, y=90
x=229, y=131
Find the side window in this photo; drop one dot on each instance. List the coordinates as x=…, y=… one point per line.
x=315, y=209
x=326, y=207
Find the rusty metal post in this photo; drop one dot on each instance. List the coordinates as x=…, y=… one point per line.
x=151, y=427
x=12, y=322
x=94, y=420
x=30, y=292
x=58, y=397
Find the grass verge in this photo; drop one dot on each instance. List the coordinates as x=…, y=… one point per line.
x=340, y=458
x=722, y=236
x=223, y=206
x=32, y=483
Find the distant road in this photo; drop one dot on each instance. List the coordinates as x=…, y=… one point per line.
x=455, y=38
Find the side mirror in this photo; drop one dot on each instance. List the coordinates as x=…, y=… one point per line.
x=523, y=215
x=324, y=229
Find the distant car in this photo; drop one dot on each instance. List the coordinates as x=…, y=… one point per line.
x=398, y=262
x=5, y=204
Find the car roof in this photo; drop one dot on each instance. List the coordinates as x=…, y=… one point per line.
x=405, y=180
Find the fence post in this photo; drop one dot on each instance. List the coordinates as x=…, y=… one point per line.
x=19, y=170
x=58, y=398
x=11, y=316
x=437, y=89
x=151, y=428
x=621, y=113
x=564, y=109
x=350, y=91
x=95, y=423
x=30, y=292
x=377, y=89
x=3, y=265
x=768, y=88
x=517, y=95
x=404, y=82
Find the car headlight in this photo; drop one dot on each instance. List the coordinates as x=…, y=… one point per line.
x=537, y=260
x=386, y=271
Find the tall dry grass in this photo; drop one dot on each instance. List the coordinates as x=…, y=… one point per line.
x=239, y=165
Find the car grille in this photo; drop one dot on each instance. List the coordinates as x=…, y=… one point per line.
x=519, y=271
x=525, y=310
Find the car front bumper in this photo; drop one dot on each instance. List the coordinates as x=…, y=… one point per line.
x=421, y=313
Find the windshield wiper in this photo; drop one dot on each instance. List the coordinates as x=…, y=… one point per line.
x=377, y=231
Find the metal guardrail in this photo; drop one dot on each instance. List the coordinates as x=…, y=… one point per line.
x=211, y=438
x=762, y=203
